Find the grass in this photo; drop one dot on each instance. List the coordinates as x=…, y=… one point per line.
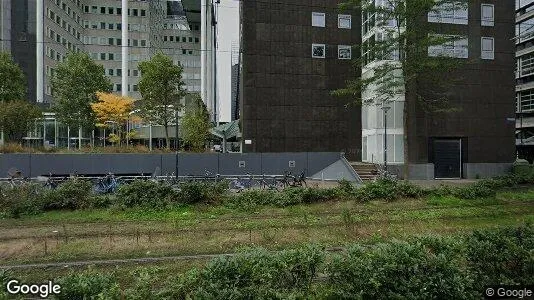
x=135, y=233
x=189, y=230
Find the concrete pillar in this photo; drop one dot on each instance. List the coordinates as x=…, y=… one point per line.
x=124, y=30
x=39, y=53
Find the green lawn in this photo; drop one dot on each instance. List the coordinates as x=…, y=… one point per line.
x=134, y=233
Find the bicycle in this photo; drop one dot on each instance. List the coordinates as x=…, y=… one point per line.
x=272, y=184
x=107, y=184
x=240, y=184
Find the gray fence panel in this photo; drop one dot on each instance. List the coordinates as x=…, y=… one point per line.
x=16, y=161
x=134, y=163
x=197, y=164
x=188, y=163
x=320, y=160
x=59, y=164
x=168, y=164
x=240, y=164
x=278, y=163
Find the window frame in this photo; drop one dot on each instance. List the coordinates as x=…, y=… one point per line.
x=482, y=51
x=344, y=47
x=486, y=21
x=341, y=17
x=324, y=50
x=321, y=24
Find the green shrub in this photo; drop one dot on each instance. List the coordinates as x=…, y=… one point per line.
x=256, y=274
x=250, y=199
x=21, y=200
x=480, y=189
x=147, y=194
x=71, y=194
x=504, y=256
x=88, y=285
x=384, y=189
x=202, y=192
x=396, y=270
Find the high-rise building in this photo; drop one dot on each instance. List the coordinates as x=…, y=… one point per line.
x=294, y=54
x=476, y=137
x=94, y=26
x=524, y=74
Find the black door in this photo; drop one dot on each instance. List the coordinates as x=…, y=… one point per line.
x=448, y=158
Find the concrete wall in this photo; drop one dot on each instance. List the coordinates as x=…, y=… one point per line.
x=33, y=165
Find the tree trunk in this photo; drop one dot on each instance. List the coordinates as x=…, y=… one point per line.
x=167, y=140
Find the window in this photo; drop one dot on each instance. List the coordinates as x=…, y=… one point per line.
x=457, y=47
x=110, y=10
x=143, y=43
x=103, y=10
x=488, y=48
x=488, y=18
x=135, y=72
x=119, y=72
x=196, y=40
x=450, y=13
x=344, y=21
x=135, y=12
x=102, y=56
x=190, y=39
x=110, y=26
x=318, y=50
x=164, y=38
x=110, y=41
x=143, y=13
x=344, y=52
x=318, y=19
x=118, y=87
x=110, y=72
x=184, y=39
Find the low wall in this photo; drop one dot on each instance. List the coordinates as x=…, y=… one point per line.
x=33, y=165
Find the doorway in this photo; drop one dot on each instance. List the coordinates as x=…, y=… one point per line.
x=447, y=158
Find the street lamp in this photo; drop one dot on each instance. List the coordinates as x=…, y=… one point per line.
x=385, y=109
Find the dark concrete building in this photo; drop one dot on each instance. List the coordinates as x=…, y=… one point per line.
x=478, y=139
x=294, y=53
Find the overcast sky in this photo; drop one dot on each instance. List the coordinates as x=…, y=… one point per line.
x=228, y=32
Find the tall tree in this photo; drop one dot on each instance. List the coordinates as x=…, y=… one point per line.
x=112, y=108
x=162, y=89
x=74, y=87
x=196, y=124
x=16, y=118
x=404, y=46
x=12, y=80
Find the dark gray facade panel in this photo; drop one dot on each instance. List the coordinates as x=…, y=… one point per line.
x=240, y=164
x=277, y=163
x=197, y=164
x=33, y=165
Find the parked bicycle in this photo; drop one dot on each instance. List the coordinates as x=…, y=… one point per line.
x=107, y=185
x=243, y=183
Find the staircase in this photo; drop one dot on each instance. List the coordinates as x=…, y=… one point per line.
x=366, y=171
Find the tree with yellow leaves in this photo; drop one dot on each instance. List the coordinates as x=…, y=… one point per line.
x=112, y=108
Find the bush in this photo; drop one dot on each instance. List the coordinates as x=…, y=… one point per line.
x=256, y=274
x=88, y=285
x=202, y=192
x=71, y=194
x=396, y=270
x=384, y=189
x=503, y=256
x=147, y=194
x=21, y=200
x=480, y=189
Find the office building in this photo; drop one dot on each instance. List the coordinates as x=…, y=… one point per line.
x=293, y=55
x=94, y=26
x=476, y=137
x=524, y=40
